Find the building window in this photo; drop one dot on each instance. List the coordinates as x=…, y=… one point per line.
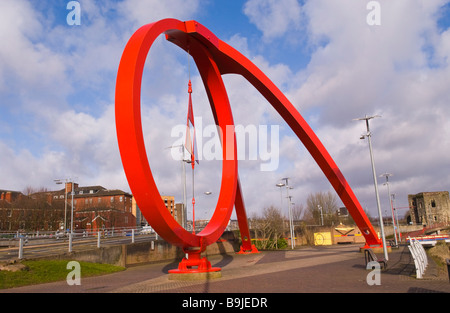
x=112, y=199
x=433, y=203
x=121, y=198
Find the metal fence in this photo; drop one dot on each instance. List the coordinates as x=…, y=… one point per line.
x=419, y=255
x=22, y=239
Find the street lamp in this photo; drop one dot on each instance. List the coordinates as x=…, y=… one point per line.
x=321, y=213
x=279, y=185
x=369, y=135
x=387, y=175
x=291, y=223
x=183, y=181
x=59, y=182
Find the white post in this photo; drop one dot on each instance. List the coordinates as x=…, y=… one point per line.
x=70, y=241
x=20, y=248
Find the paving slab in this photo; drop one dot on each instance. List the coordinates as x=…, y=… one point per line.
x=326, y=269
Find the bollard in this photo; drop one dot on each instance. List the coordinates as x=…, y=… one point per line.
x=70, y=242
x=98, y=239
x=132, y=236
x=20, y=248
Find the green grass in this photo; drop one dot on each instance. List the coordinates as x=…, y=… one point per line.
x=39, y=272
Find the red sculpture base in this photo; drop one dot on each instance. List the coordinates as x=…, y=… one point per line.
x=246, y=251
x=193, y=264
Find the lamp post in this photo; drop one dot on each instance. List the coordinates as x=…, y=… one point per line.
x=291, y=223
x=387, y=175
x=207, y=193
x=321, y=213
x=396, y=217
x=369, y=135
x=67, y=181
x=183, y=181
x=59, y=182
x=279, y=185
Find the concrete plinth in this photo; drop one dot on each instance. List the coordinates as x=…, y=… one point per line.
x=376, y=249
x=195, y=276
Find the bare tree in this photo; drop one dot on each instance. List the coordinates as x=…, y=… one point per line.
x=321, y=206
x=269, y=228
x=297, y=212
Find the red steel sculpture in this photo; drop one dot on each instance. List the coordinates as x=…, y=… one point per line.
x=213, y=58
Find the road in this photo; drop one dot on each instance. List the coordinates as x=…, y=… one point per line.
x=326, y=269
x=52, y=246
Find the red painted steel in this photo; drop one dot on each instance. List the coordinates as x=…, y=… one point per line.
x=213, y=58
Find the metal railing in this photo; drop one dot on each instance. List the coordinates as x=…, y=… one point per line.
x=419, y=256
x=22, y=239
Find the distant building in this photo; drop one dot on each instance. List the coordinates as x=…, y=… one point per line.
x=8, y=196
x=94, y=208
x=21, y=212
x=428, y=208
x=175, y=209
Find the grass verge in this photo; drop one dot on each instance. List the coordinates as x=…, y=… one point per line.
x=44, y=271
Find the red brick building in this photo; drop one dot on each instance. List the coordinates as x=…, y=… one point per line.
x=21, y=212
x=96, y=207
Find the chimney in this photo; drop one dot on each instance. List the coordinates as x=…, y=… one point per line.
x=8, y=196
x=69, y=187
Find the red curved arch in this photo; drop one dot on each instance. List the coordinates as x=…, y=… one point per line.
x=131, y=141
x=213, y=58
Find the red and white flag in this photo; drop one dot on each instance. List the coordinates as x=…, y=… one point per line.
x=190, y=142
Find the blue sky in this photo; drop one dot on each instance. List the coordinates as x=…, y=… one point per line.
x=57, y=87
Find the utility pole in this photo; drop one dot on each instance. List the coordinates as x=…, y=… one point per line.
x=291, y=224
x=369, y=135
x=387, y=175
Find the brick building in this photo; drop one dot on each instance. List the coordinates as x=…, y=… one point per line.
x=175, y=209
x=429, y=208
x=96, y=207
x=21, y=212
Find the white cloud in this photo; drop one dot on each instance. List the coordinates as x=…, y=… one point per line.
x=24, y=62
x=65, y=78
x=274, y=18
x=148, y=11
x=359, y=69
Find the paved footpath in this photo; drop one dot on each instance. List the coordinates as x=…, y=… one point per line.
x=327, y=269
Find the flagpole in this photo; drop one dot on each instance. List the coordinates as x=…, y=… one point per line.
x=191, y=115
x=193, y=198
